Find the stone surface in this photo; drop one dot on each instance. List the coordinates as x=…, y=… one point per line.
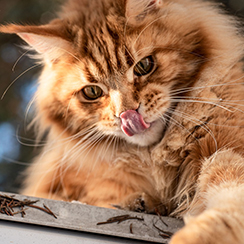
x=80, y=217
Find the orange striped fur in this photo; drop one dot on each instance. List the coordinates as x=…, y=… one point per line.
x=190, y=161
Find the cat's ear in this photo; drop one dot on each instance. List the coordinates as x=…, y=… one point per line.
x=138, y=9
x=47, y=40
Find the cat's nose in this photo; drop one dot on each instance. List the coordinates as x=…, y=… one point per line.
x=118, y=113
x=123, y=101
x=127, y=108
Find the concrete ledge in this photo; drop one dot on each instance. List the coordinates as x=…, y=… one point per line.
x=85, y=218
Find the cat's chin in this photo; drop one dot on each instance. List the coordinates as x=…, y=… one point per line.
x=148, y=137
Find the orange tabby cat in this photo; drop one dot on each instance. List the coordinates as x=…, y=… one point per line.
x=143, y=102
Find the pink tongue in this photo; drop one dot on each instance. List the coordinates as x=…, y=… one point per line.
x=132, y=123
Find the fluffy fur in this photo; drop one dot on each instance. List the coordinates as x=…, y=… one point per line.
x=189, y=162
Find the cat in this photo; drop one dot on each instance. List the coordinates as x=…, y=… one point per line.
x=143, y=104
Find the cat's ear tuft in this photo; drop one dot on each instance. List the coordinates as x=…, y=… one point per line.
x=46, y=40
x=138, y=9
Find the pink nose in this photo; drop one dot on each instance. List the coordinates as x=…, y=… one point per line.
x=132, y=123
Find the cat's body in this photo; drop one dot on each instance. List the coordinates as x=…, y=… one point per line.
x=143, y=101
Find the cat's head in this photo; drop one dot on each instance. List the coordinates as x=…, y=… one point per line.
x=111, y=67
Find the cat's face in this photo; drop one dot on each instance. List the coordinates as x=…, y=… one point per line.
x=113, y=72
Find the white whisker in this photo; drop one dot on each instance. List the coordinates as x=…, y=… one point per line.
x=6, y=90
x=196, y=122
x=152, y=22
x=203, y=102
x=17, y=61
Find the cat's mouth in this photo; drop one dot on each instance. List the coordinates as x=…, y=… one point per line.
x=132, y=123
x=142, y=133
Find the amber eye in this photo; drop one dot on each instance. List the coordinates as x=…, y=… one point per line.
x=92, y=92
x=144, y=67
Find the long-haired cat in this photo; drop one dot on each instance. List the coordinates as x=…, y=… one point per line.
x=143, y=104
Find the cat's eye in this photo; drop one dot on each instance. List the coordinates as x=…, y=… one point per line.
x=92, y=92
x=144, y=66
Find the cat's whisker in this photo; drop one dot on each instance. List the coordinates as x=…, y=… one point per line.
x=94, y=158
x=131, y=56
x=85, y=141
x=117, y=145
x=113, y=139
x=203, y=102
x=24, y=72
x=95, y=142
x=101, y=152
x=19, y=139
x=106, y=77
x=182, y=50
x=21, y=56
x=87, y=138
x=63, y=140
x=207, y=99
x=174, y=121
x=147, y=26
x=10, y=160
x=58, y=159
x=233, y=105
x=71, y=54
x=110, y=141
x=27, y=111
x=142, y=50
x=197, y=122
x=188, y=89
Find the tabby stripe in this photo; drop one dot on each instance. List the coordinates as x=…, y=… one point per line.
x=102, y=46
x=129, y=59
x=119, y=62
x=85, y=44
x=116, y=42
x=108, y=58
x=97, y=64
x=89, y=76
x=89, y=53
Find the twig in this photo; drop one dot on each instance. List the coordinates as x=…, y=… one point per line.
x=119, y=219
x=49, y=210
x=164, y=234
x=160, y=217
x=8, y=203
x=131, y=231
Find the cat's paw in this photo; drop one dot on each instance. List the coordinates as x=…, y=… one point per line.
x=212, y=227
x=141, y=202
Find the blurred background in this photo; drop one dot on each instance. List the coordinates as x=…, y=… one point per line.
x=18, y=76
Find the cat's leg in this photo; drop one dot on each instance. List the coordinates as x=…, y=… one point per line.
x=104, y=185
x=101, y=184
x=115, y=185
x=43, y=178
x=221, y=194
